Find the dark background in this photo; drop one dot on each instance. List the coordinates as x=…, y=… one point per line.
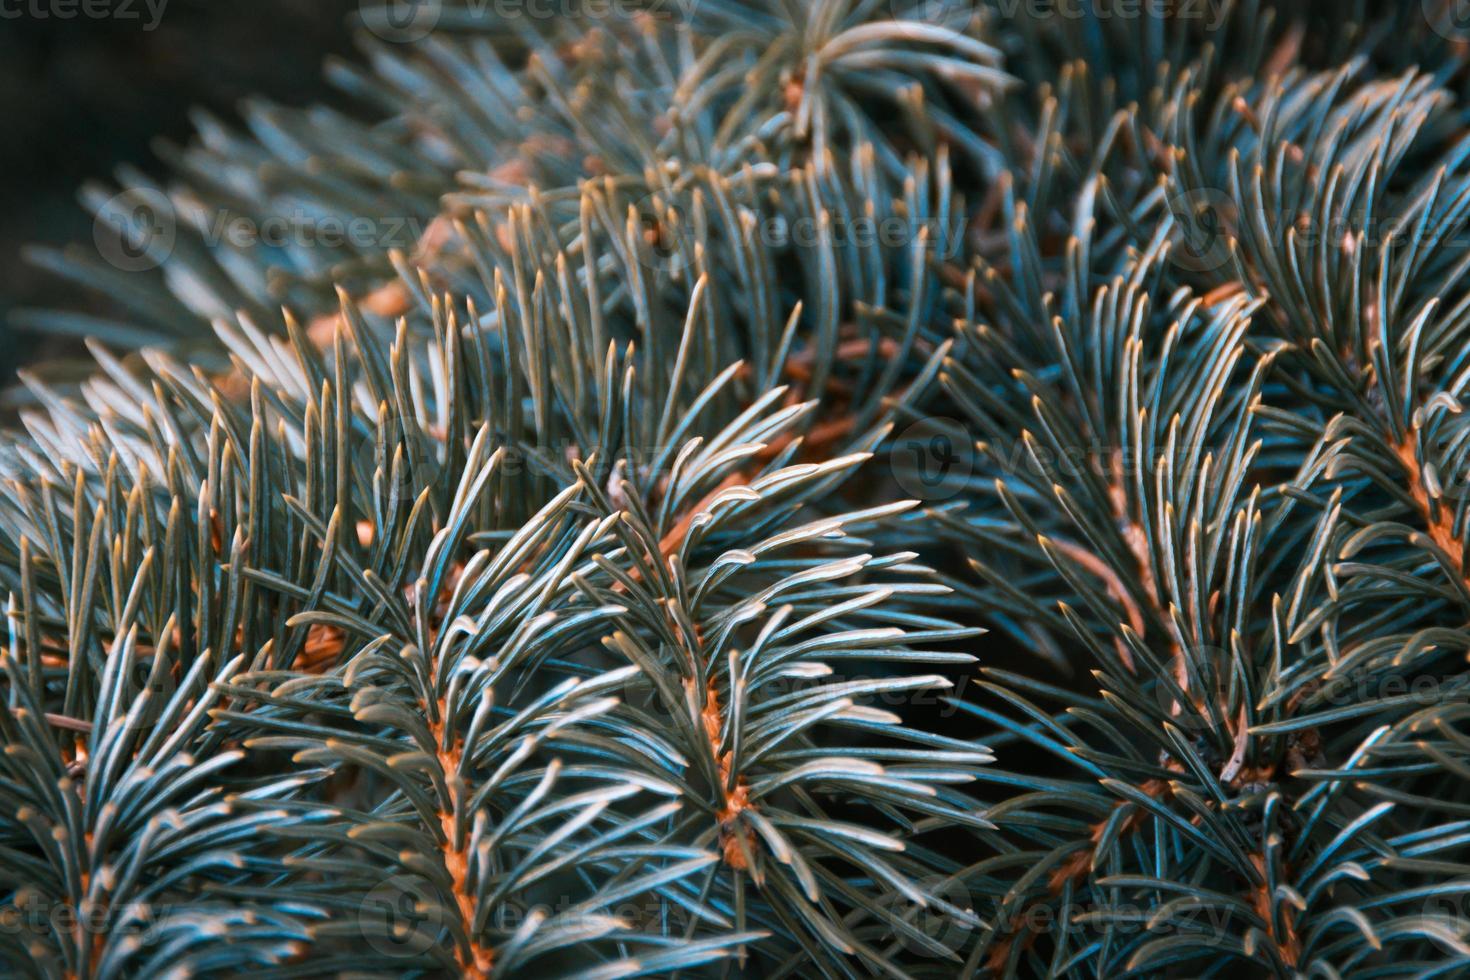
x=80, y=95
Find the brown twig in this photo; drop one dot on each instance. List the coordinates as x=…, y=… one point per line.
x=475, y=961
x=1437, y=520
x=1072, y=871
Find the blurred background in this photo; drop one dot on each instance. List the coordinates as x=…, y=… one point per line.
x=80, y=95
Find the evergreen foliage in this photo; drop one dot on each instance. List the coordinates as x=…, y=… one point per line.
x=527, y=584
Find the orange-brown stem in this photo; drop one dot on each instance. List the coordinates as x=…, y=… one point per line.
x=1437, y=520
x=736, y=800
x=1073, y=870
x=1288, y=943
x=475, y=960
